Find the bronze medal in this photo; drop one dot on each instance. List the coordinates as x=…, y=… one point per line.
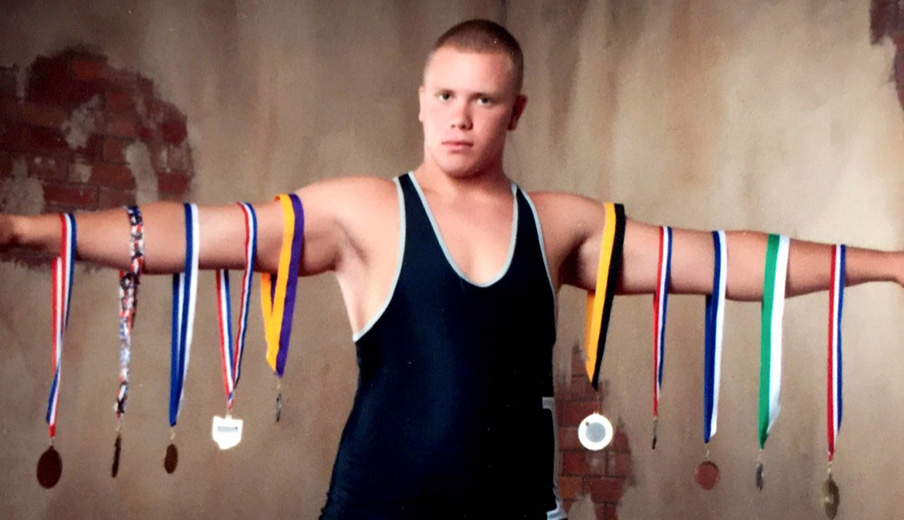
x=830, y=497
x=171, y=460
x=117, y=450
x=707, y=475
x=50, y=467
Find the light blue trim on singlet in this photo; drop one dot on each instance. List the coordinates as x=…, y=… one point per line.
x=370, y=323
x=549, y=403
x=552, y=288
x=442, y=243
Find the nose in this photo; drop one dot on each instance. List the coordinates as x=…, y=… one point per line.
x=461, y=117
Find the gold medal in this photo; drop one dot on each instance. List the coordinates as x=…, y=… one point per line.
x=830, y=497
x=707, y=474
x=171, y=460
x=50, y=467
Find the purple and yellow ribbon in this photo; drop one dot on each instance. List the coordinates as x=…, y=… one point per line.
x=278, y=292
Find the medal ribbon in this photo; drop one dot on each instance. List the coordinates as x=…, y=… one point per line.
x=660, y=306
x=128, y=300
x=714, y=319
x=836, y=306
x=232, y=356
x=776, y=271
x=185, y=292
x=61, y=295
x=278, y=292
x=599, y=302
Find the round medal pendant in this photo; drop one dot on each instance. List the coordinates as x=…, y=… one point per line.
x=830, y=497
x=595, y=432
x=171, y=460
x=50, y=467
x=707, y=475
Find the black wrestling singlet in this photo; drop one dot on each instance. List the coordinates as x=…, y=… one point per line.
x=453, y=413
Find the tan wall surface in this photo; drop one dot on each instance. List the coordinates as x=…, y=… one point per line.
x=707, y=114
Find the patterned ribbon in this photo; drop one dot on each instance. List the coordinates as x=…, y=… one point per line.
x=278, y=292
x=61, y=295
x=128, y=302
x=185, y=291
x=232, y=357
x=833, y=387
x=714, y=317
x=599, y=302
x=775, y=274
x=660, y=307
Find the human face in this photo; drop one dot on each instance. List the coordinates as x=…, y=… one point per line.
x=468, y=103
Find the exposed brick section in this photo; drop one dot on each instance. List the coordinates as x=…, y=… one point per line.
x=601, y=475
x=71, y=129
x=887, y=20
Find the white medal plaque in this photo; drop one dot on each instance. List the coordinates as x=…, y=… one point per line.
x=226, y=432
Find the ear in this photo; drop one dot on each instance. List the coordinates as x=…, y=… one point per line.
x=420, y=103
x=517, y=110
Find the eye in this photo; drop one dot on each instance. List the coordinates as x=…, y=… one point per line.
x=484, y=100
x=444, y=96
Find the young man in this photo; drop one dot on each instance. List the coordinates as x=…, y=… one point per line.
x=449, y=276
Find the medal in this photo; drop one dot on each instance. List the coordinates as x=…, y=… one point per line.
x=660, y=305
x=278, y=292
x=50, y=465
x=714, y=316
x=226, y=431
x=760, y=479
x=830, y=497
x=117, y=451
x=595, y=432
x=707, y=474
x=774, y=277
x=171, y=459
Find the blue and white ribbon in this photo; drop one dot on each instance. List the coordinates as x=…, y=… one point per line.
x=715, y=316
x=185, y=291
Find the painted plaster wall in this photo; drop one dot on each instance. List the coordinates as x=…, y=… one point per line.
x=776, y=116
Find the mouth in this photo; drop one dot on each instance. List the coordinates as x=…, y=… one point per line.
x=457, y=145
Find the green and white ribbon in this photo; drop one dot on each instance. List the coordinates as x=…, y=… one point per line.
x=774, y=278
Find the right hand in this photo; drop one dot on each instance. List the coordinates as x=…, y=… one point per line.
x=6, y=232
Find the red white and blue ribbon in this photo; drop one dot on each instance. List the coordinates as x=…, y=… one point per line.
x=185, y=291
x=774, y=278
x=660, y=307
x=715, y=317
x=232, y=355
x=836, y=306
x=128, y=303
x=61, y=295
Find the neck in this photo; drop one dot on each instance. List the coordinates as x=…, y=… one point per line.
x=484, y=182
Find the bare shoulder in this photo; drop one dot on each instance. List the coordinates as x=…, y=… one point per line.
x=350, y=199
x=568, y=214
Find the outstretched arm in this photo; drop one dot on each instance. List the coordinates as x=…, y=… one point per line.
x=809, y=263
x=103, y=237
